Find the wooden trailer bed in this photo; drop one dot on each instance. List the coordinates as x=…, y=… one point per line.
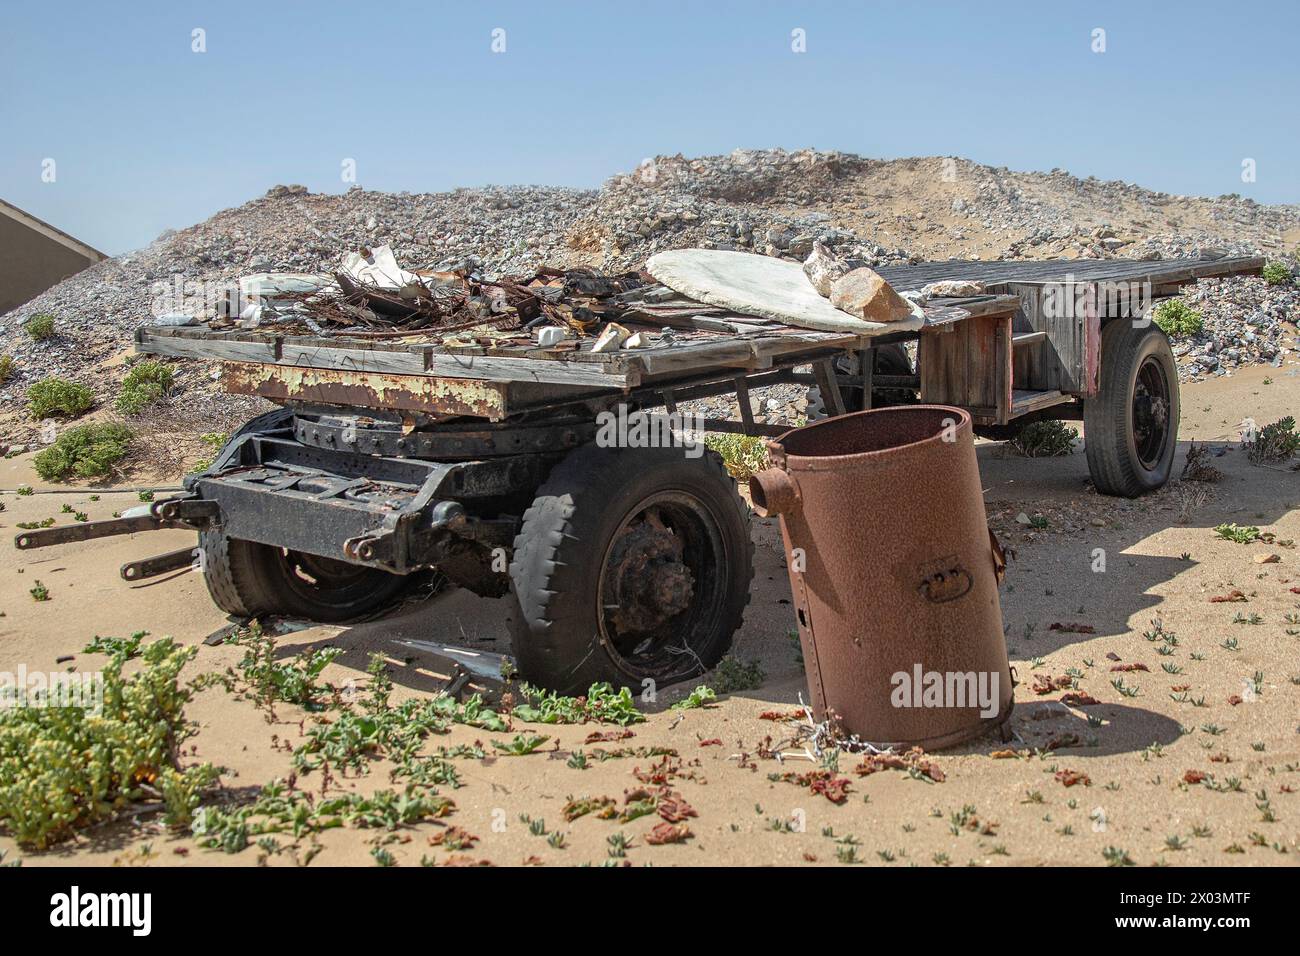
x=1001, y=355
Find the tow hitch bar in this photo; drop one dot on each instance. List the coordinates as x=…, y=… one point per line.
x=183, y=513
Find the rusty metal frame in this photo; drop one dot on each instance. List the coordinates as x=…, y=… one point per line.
x=361, y=389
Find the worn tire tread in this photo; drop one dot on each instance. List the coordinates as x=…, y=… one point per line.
x=1106, y=415
x=545, y=627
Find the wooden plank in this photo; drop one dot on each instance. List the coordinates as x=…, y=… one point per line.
x=1021, y=339
x=832, y=399
x=481, y=367
x=1024, y=401
x=1067, y=313
x=943, y=367
x=995, y=274
x=990, y=375
x=867, y=372
x=665, y=361
x=209, y=349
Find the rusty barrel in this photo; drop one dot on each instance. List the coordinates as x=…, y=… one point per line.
x=895, y=573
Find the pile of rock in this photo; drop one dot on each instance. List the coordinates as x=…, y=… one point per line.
x=1246, y=322
x=773, y=202
x=746, y=201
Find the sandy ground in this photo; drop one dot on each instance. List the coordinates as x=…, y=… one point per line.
x=1162, y=560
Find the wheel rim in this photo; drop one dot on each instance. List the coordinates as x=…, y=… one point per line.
x=324, y=580
x=660, y=588
x=1151, y=408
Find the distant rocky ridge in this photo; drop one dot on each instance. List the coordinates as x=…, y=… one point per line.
x=768, y=201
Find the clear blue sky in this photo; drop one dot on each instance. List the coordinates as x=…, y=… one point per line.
x=147, y=134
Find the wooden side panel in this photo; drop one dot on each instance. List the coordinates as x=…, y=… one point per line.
x=941, y=360
x=1068, y=313
x=1090, y=375
x=969, y=366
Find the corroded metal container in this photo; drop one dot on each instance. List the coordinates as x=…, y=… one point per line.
x=895, y=573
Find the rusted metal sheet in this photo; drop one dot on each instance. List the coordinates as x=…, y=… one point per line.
x=894, y=573
x=417, y=393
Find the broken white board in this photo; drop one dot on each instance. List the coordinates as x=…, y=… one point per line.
x=762, y=286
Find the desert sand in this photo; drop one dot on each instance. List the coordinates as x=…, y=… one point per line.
x=1162, y=561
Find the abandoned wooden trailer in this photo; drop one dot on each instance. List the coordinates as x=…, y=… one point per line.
x=387, y=458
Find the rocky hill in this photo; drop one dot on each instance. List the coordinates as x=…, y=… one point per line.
x=770, y=201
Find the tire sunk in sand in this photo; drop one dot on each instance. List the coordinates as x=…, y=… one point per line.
x=248, y=579
x=631, y=565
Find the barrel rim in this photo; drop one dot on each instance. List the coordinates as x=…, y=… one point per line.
x=793, y=459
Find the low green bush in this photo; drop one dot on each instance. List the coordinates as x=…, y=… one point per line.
x=1045, y=439
x=1178, y=319
x=6, y=368
x=87, y=451
x=58, y=396
x=744, y=455
x=1276, y=442
x=733, y=675
x=146, y=383
x=601, y=704
x=63, y=768
x=40, y=326
x=1276, y=273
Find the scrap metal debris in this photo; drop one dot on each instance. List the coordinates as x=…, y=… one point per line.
x=371, y=296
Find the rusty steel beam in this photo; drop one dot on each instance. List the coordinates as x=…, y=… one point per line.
x=418, y=393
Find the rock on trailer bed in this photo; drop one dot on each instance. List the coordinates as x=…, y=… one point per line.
x=626, y=564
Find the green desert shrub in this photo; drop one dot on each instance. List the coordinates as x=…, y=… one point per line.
x=1045, y=439
x=145, y=384
x=733, y=675
x=1276, y=442
x=40, y=326
x=58, y=396
x=6, y=368
x=64, y=768
x=744, y=455
x=1177, y=319
x=1276, y=273
x=87, y=451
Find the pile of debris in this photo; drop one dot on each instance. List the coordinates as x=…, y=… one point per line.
x=371, y=296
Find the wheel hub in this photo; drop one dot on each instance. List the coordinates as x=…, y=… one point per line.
x=649, y=581
x=1150, y=413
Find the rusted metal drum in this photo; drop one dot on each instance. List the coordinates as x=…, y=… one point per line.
x=895, y=573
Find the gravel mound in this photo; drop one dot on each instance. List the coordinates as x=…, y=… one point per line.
x=1246, y=322
x=768, y=201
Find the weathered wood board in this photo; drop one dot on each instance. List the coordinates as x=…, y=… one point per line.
x=969, y=366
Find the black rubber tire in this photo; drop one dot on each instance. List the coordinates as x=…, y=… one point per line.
x=1110, y=429
x=248, y=579
x=559, y=620
x=890, y=360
